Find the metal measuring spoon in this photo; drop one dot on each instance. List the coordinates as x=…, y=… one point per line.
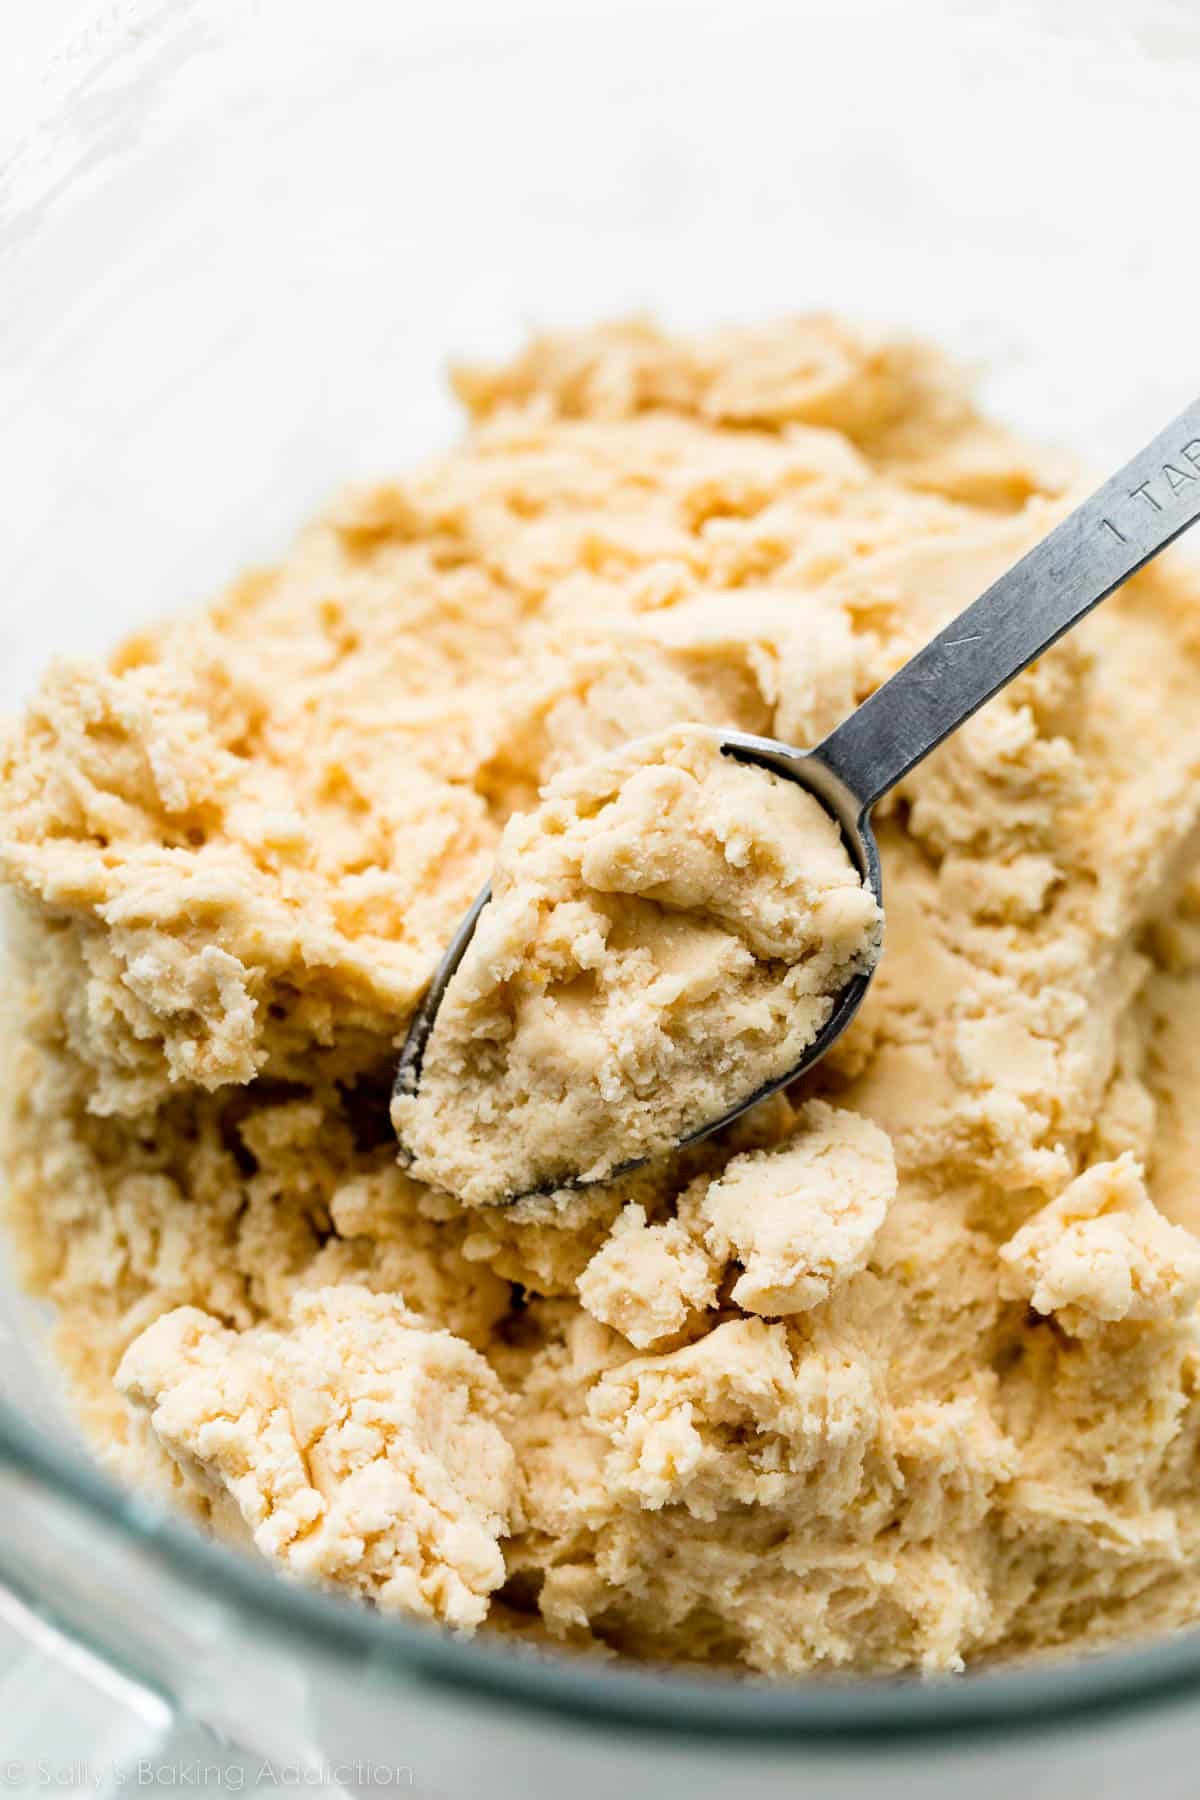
x=1137, y=513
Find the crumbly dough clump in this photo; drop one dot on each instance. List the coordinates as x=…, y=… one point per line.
x=668, y=932
x=356, y=1447
x=899, y=1372
x=1102, y=1251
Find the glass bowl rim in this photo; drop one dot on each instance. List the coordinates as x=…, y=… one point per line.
x=675, y=1702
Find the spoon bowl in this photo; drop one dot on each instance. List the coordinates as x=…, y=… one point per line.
x=808, y=769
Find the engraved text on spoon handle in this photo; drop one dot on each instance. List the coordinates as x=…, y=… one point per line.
x=1097, y=547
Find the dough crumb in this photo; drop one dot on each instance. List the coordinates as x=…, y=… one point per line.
x=358, y=1447
x=647, y=1281
x=737, y=1419
x=802, y=1217
x=1103, y=1252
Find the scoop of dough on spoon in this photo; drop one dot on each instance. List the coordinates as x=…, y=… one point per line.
x=681, y=929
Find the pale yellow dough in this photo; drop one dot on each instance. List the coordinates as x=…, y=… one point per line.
x=902, y=1371
x=356, y=1446
x=668, y=932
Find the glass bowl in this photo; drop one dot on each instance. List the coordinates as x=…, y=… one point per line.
x=238, y=243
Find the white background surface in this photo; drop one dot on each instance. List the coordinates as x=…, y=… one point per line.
x=30, y=30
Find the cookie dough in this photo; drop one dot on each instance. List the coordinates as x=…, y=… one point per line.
x=901, y=1370
x=668, y=932
x=356, y=1447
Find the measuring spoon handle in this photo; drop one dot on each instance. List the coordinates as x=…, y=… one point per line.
x=1136, y=513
